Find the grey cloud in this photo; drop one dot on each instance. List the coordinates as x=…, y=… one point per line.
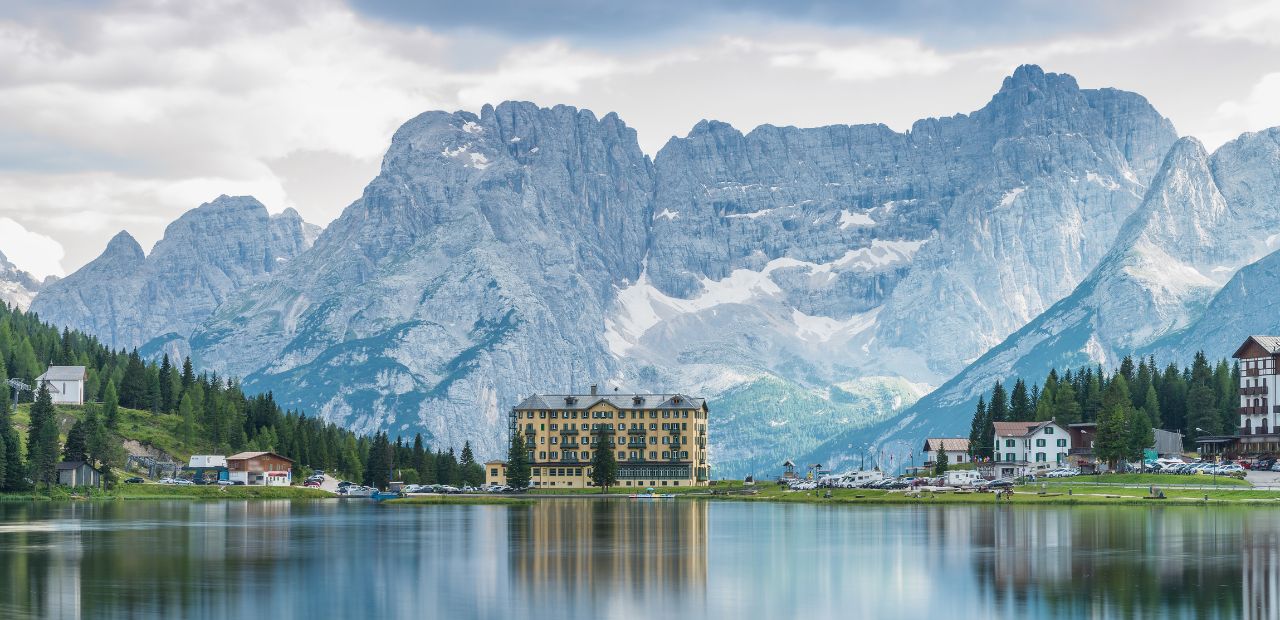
x=943, y=22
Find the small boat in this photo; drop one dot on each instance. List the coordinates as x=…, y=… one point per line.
x=649, y=494
x=381, y=495
x=354, y=491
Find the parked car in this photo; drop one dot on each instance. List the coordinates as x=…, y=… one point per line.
x=1003, y=483
x=312, y=484
x=226, y=483
x=134, y=480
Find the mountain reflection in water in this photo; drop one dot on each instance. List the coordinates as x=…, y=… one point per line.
x=574, y=558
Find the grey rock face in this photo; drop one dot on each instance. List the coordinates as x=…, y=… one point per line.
x=1203, y=219
x=474, y=270
x=17, y=287
x=153, y=302
x=819, y=279
x=506, y=253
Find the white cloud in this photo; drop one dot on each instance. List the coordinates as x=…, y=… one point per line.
x=1259, y=110
x=866, y=61
x=32, y=252
x=1254, y=21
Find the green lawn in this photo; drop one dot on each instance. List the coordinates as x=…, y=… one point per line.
x=158, y=430
x=164, y=491
x=1150, y=479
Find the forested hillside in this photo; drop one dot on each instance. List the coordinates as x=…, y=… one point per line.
x=1200, y=399
x=176, y=410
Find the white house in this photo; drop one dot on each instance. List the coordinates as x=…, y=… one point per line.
x=956, y=449
x=1023, y=448
x=66, y=384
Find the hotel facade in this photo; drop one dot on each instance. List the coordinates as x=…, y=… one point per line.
x=660, y=440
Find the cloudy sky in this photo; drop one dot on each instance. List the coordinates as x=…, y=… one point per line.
x=123, y=115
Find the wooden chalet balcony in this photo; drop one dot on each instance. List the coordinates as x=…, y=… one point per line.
x=1251, y=372
x=1252, y=410
x=1080, y=451
x=1256, y=390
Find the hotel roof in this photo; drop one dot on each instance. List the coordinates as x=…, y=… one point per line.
x=620, y=401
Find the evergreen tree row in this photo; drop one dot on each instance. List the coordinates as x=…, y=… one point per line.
x=1200, y=399
x=215, y=416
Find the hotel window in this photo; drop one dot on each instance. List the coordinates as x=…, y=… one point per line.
x=542, y=455
x=684, y=440
x=653, y=441
x=666, y=455
x=653, y=455
x=1040, y=443
x=542, y=414
x=621, y=454
x=537, y=471
x=554, y=427
x=553, y=440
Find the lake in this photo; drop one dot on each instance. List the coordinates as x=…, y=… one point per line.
x=573, y=558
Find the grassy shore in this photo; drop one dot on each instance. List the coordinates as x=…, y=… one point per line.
x=1152, y=479
x=1053, y=494
x=460, y=499
x=160, y=491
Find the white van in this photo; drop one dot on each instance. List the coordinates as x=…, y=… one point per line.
x=961, y=478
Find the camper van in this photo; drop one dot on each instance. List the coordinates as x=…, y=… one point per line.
x=961, y=478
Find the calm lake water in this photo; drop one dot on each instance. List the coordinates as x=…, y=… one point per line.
x=570, y=559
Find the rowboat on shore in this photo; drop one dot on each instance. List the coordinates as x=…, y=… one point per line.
x=649, y=494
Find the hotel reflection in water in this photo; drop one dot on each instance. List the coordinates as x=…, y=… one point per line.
x=565, y=553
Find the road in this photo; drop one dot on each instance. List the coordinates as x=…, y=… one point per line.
x=330, y=484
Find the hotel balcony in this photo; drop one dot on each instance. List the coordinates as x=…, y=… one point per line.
x=1256, y=390
x=637, y=431
x=602, y=430
x=1253, y=410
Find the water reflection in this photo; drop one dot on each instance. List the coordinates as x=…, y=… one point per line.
x=622, y=559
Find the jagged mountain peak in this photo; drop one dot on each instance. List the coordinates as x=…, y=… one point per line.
x=123, y=246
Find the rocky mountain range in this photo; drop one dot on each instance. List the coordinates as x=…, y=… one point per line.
x=813, y=283
x=17, y=287
x=1159, y=291
x=153, y=301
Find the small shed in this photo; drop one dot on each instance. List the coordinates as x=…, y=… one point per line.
x=78, y=474
x=65, y=383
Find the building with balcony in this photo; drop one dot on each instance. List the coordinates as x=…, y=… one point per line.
x=659, y=439
x=1023, y=448
x=1258, y=361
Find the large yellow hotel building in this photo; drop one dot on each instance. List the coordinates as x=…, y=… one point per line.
x=660, y=439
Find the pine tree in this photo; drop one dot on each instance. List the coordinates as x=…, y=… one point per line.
x=604, y=468
x=42, y=439
x=1151, y=406
x=1093, y=404
x=187, y=426
x=447, y=468
x=167, y=396
x=941, y=463
x=10, y=449
x=110, y=403
x=518, y=463
x=1019, y=404
x=980, y=432
x=134, y=385
x=1138, y=435
x=1111, y=444
x=1127, y=369
x=1045, y=404
x=76, y=447
x=472, y=472
x=998, y=406
x=1066, y=406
